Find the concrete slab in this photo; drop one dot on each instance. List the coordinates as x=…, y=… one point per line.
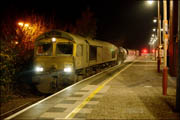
x=85, y=110
x=89, y=87
x=53, y=115
x=136, y=93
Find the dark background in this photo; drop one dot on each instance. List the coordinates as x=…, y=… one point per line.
x=127, y=20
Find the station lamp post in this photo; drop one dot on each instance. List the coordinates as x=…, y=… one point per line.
x=178, y=75
x=155, y=30
x=159, y=38
x=165, y=38
x=158, y=34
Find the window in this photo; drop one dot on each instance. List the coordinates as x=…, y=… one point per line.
x=44, y=49
x=92, y=52
x=79, y=51
x=64, y=48
x=113, y=54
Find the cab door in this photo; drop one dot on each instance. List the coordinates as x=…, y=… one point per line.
x=79, y=56
x=99, y=54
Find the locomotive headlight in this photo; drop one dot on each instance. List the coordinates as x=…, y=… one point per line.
x=39, y=69
x=68, y=69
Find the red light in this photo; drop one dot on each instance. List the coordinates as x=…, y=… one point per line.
x=153, y=50
x=144, y=50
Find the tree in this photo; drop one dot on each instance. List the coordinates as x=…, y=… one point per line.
x=117, y=42
x=86, y=25
x=17, y=46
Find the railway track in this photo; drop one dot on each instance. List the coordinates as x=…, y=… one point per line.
x=18, y=108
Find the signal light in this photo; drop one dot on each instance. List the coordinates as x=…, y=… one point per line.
x=144, y=51
x=153, y=51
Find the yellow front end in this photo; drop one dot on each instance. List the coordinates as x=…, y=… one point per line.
x=53, y=64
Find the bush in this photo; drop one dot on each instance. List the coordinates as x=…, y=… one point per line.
x=16, y=54
x=7, y=70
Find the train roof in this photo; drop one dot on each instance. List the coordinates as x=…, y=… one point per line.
x=74, y=38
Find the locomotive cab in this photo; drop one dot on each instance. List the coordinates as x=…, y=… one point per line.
x=53, y=63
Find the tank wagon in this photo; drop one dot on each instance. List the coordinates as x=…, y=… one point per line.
x=122, y=54
x=132, y=52
x=63, y=58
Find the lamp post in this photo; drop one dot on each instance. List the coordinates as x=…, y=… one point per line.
x=158, y=35
x=159, y=38
x=152, y=43
x=178, y=75
x=165, y=36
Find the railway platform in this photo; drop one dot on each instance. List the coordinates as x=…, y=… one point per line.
x=129, y=91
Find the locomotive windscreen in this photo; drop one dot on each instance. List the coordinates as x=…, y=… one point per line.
x=64, y=48
x=44, y=49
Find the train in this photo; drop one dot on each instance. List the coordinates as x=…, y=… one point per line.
x=62, y=58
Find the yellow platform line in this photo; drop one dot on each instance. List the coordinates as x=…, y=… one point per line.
x=87, y=99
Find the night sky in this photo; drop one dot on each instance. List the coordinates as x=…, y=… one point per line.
x=127, y=20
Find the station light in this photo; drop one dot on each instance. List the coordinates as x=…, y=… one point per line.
x=155, y=21
x=26, y=25
x=150, y=2
x=21, y=24
x=16, y=42
x=154, y=29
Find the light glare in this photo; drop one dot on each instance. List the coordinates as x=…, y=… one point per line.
x=16, y=42
x=68, y=69
x=26, y=25
x=20, y=23
x=53, y=39
x=39, y=69
x=150, y=2
x=144, y=50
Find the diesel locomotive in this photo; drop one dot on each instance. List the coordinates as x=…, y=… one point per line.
x=64, y=58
